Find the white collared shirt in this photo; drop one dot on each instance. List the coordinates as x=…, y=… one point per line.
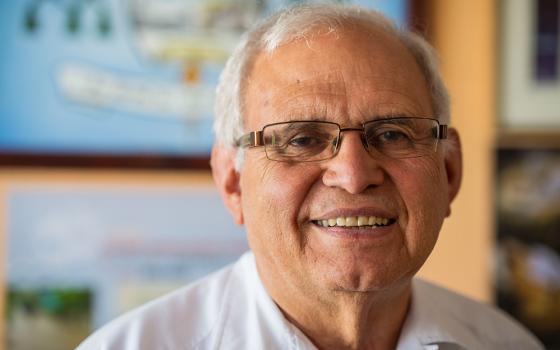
x=231, y=309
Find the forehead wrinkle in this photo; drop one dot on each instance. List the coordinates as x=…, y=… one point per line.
x=300, y=89
x=385, y=94
x=310, y=82
x=389, y=101
x=309, y=99
x=387, y=108
x=308, y=109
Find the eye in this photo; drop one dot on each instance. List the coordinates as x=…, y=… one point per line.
x=388, y=136
x=392, y=136
x=306, y=141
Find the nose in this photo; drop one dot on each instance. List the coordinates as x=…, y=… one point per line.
x=353, y=168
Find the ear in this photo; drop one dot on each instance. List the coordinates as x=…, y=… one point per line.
x=453, y=165
x=226, y=178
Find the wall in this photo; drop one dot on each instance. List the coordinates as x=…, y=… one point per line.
x=463, y=33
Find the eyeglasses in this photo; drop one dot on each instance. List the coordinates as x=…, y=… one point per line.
x=309, y=141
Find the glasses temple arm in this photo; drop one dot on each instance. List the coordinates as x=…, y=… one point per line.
x=442, y=132
x=252, y=139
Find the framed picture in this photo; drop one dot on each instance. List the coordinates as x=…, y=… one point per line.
x=530, y=65
x=528, y=167
x=528, y=240
x=110, y=83
x=92, y=252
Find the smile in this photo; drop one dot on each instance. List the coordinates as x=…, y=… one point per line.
x=355, y=221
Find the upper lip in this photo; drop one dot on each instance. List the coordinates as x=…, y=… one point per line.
x=354, y=212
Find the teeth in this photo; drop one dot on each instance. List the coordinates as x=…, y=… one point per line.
x=354, y=221
x=351, y=221
x=362, y=220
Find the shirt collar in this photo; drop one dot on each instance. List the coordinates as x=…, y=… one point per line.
x=430, y=325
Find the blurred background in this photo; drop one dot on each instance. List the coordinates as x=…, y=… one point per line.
x=106, y=198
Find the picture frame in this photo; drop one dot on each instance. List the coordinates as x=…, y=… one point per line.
x=121, y=84
x=109, y=242
x=527, y=249
x=529, y=66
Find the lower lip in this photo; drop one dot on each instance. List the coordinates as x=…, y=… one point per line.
x=354, y=233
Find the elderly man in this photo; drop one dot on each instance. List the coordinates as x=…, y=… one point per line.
x=333, y=150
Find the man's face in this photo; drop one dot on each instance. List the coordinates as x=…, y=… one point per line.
x=348, y=78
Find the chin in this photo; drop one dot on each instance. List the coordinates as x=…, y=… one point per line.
x=368, y=281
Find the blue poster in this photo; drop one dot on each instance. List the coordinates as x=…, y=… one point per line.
x=121, y=246
x=120, y=77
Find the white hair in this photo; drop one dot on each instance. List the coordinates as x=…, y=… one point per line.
x=297, y=23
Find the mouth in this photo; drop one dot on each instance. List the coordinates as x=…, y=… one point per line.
x=361, y=222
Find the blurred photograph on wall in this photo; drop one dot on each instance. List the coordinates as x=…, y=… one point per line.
x=121, y=78
x=529, y=75
x=92, y=253
x=528, y=239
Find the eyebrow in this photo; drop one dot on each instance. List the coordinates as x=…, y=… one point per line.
x=393, y=119
x=391, y=116
x=309, y=124
x=304, y=113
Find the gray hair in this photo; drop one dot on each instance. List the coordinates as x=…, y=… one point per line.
x=297, y=23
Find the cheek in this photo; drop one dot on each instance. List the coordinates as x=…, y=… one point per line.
x=423, y=188
x=272, y=206
x=422, y=183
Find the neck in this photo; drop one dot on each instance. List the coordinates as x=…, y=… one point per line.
x=346, y=320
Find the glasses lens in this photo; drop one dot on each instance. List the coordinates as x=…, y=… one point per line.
x=402, y=137
x=300, y=141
